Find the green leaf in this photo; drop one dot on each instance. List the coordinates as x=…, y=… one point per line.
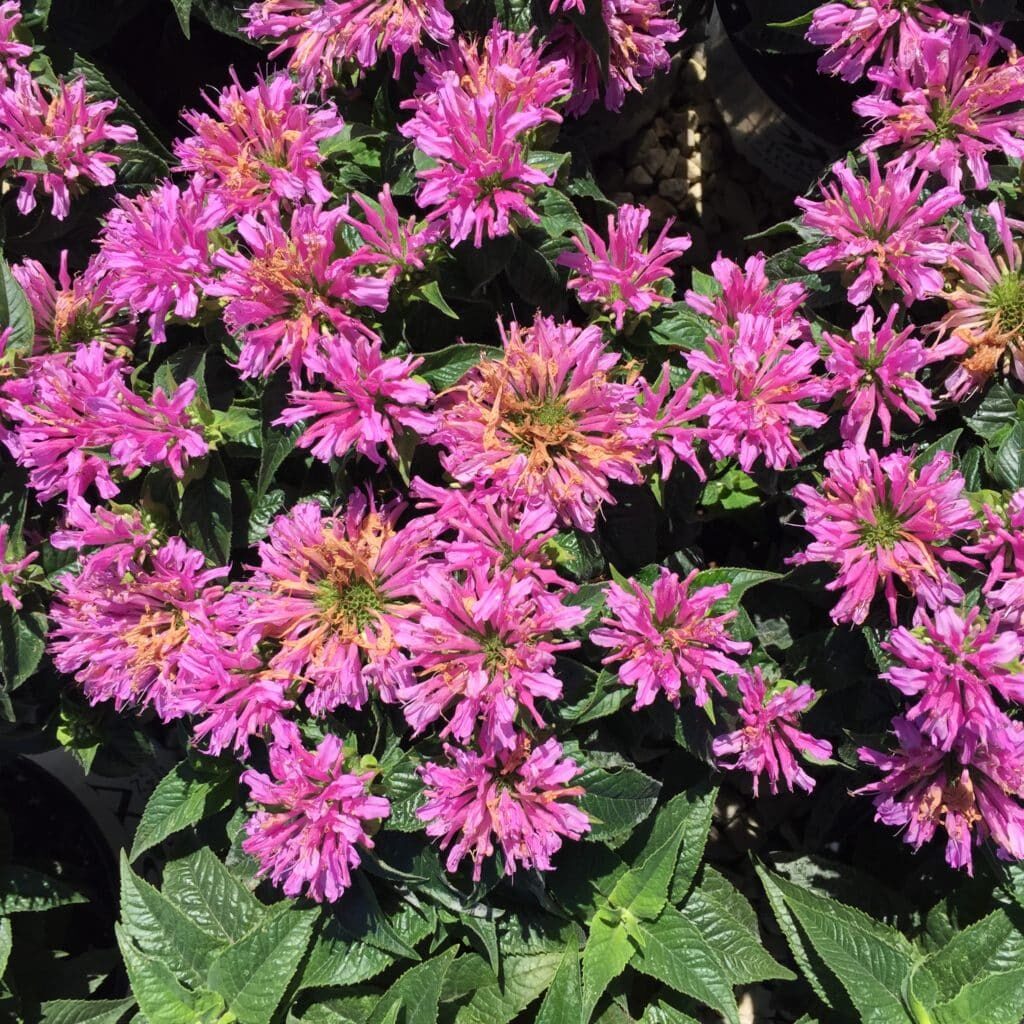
x=85, y=1011
x=617, y=799
x=607, y=952
x=24, y=890
x=704, y=284
x=524, y=978
x=739, y=580
x=996, y=999
x=161, y=997
x=254, y=973
x=1008, y=464
x=990, y=946
x=418, y=991
x=946, y=443
x=22, y=644
x=466, y=974
x=16, y=313
x=6, y=943
x=558, y=214
x=431, y=292
x=161, y=929
x=183, y=797
x=872, y=961
x=696, y=825
x=206, y=514
x=277, y=446
x=674, y=951
x=183, y=9
x=211, y=896
x=534, y=276
x=449, y=365
x=678, y=326
x=996, y=411
x=563, y=1003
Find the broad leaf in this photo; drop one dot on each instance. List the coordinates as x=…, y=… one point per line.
x=617, y=799
x=563, y=1002
x=25, y=890
x=418, y=991
x=85, y=1011
x=608, y=950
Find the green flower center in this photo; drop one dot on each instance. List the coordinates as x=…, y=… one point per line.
x=942, y=118
x=885, y=531
x=495, y=652
x=1006, y=301
x=356, y=603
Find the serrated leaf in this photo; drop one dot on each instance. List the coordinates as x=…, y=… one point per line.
x=161, y=929
x=946, y=443
x=25, y=890
x=205, y=890
x=85, y=1011
x=678, y=326
x=206, y=513
x=563, y=1002
x=254, y=973
x=465, y=975
x=431, y=293
x=673, y=951
x=524, y=978
x=181, y=798
x=695, y=828
x=161, y=997
x=183, y=9
x=1007, y=466
x=278, y=444
x=617, y=799
x=739, y=580
x=449, y=365
x=15, y=313
x=418, y=991
x=997, y=410
x=22, y=644
x=996, y=999
x=6, y=943
x=607, y=952
x=872, y=961
x=558, y=214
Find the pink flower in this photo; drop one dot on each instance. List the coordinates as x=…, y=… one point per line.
x=323, y=34
x=624, y=274
x=390, y=244
x=484, y=651
x=922, y=791
x=545, y=424
x=953, y=662
x=12, y=53
x=290, y=297
x=121, y=536
x=947, y=104
x=669, y=637
x=667, y=422
x=759, y=384
x=369, y=402
x=860, y=33
x=329, y=592
x=881, y=232
x=747, y=289
x=519, y=801
x=154, y=252
x=262, y=145
x=73, y=310
x=12, y=572
x=122, y=635
x=308, y=836
x=473, y=109
x=57, y=142
x=74, y=419
x=881, y=521
x=875, y=372
x=1000, y=542
x=639, y=32
x=986, y=305
x=769, y=739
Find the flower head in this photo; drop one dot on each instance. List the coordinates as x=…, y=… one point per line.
x=669, y=638
x=58, y=141
x=760, y=382
x=329, y=591
x=154, y=251
x=881, y=521
x=323, y=34
x=986, y=305
x=667, y=421
x=875, y=371
x=484, y=652
x=73, y=310
x=122, y=635
x=260, y=146
x=314, y=819
x=950, y=103
x=879, y=230
x=769, y=739
x=369, y=400
x=623, y=274
x=12, y=572
x=290, y=297
x=639, y=32
x=953, y=662
x=519, y=801
x=544, y=424
x=118, y=537
x=12, y=53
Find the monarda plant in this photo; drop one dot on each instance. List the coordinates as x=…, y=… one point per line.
x=528, y=625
